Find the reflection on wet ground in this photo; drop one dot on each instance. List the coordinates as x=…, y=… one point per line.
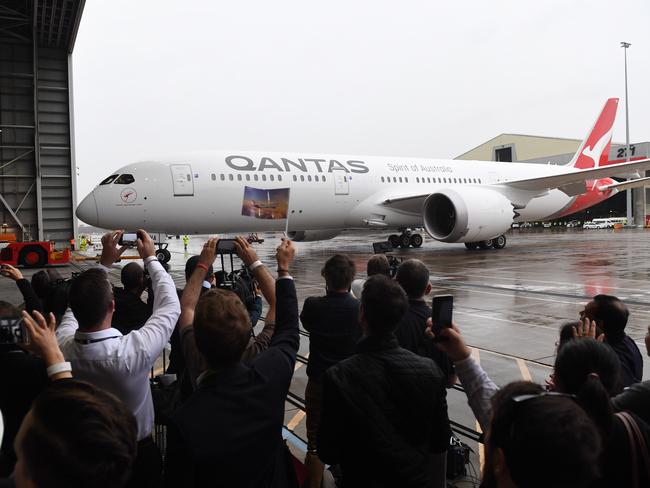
x=509, y=303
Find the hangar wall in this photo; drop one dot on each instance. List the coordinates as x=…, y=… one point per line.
x=37, y=166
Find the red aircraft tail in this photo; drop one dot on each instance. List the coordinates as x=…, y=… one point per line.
x=594, y=150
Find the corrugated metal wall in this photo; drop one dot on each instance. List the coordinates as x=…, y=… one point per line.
x=36, y=173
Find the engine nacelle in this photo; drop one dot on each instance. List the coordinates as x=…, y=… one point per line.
x=467, y=214
x=313, y=235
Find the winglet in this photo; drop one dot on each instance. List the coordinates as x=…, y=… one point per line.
x=596, y=146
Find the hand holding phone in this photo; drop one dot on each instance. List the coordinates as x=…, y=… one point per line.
x=226, y=246
x=441, y=313
x=128, y=239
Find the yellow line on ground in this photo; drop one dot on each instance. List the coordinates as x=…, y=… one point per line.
x=525, y=374
x=295, y=420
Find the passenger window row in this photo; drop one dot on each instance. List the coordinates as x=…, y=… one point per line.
x=257, y=177
x=428, y=179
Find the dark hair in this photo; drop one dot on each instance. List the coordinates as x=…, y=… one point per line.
x=338, y=272
x=384, y=304
x=221, y=327
x=190, y=266
x=8, y=310
x=90, y=296
x=79, y=436
x=549, y=431
x=378, y=264
x=413, y=276
x=132, y=276
x=611, y=314
x=41, y=284
x=590, y=369
x=566, y=332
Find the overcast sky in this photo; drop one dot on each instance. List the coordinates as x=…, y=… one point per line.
x=411, y=78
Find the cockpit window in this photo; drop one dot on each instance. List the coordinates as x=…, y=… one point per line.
x=124, y=180
x=108, y=180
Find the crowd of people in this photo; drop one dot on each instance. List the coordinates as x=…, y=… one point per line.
x=78, y=410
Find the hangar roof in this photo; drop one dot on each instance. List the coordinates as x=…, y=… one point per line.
x=55, y=22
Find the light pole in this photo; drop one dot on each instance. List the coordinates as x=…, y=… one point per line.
x=628, y=195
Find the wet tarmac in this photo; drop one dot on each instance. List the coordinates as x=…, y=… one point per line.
x=509, y=304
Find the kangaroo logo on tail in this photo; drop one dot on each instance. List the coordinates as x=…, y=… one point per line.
x=594, y=150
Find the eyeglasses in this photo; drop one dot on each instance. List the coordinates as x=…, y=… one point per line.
x=524, y=398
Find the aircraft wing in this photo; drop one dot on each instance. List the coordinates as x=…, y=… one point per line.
x=407, y=203
x=625, y=185
x=573, y=182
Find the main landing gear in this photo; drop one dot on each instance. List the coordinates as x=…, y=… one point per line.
x=498, y=242
x=162, y=254
x=406, y=239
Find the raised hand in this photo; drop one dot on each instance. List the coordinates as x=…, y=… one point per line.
x=111, y=251
x=245, y=251
x=586, y=330
x=41, y=337
x=209, y=252
x=145, y=244
x=285, y=253
x=8, y=271
x=453, y=344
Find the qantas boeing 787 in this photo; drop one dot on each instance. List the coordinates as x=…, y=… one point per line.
x=318, y=196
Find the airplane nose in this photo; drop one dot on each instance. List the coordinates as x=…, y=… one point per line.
x=87, y=210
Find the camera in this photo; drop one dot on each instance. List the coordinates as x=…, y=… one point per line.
x=128, y=239
x=240, y=282
x=12, y=331
x=384, y=247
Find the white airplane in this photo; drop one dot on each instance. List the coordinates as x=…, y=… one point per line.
x=473, y=202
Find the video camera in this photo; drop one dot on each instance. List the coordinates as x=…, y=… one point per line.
x=385, y=247
x=239, y=281
x=12, y=331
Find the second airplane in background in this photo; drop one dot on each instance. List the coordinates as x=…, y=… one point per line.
x=473, y=202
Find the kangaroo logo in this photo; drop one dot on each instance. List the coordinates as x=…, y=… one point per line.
x=594, y=152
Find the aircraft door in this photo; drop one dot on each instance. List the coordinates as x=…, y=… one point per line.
x=341, y=184
x=182, y=178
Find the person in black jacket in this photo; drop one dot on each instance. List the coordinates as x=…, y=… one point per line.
x=229, y=432
x=131, y=312
x=333, y=325
x=413, y=277
x=31, y=300
x=611, y=315
x=384, y=417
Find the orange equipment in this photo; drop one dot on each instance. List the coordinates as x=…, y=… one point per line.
x=33, y=254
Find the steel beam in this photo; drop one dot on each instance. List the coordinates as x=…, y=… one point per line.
x=12, y=213
x=37, y=143
x=29, y=190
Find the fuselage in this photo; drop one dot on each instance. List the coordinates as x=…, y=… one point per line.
x=203, y=193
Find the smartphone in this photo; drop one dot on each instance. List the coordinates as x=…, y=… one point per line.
x=128, y=239
x=441, y=312
x=226, y=246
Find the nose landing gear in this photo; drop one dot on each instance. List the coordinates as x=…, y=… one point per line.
x=406, y=239
x=162, y=254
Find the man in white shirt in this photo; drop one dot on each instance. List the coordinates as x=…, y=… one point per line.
x=120, y=363
x=377, y=264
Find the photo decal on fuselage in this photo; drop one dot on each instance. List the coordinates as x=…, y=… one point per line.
x=271, y=204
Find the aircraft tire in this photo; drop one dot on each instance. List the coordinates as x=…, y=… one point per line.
x=163, y=255
x=416, y=240
x=394, y=240
x=499, y=242
x=471, y=245
x=486, y=244
x=404, y=241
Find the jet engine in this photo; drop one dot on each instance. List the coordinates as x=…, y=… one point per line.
x=467, y=214
x=313, y=235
